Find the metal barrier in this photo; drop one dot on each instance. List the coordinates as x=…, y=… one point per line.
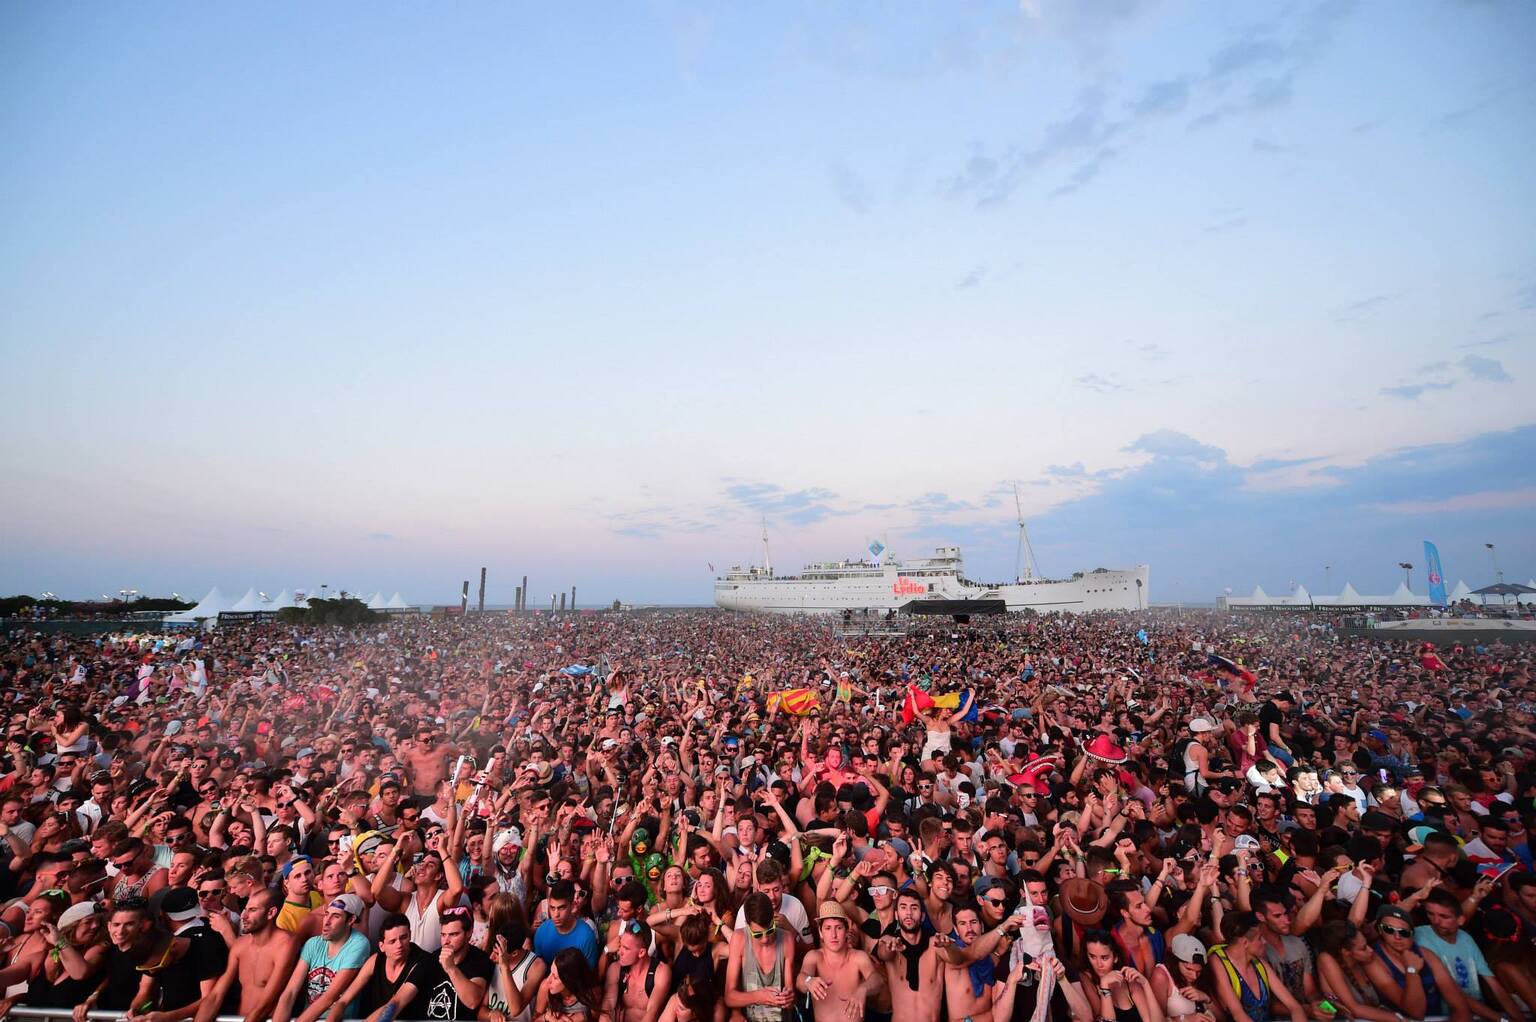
x=24, y=1012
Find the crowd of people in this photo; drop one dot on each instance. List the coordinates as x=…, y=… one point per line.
x=701, y=816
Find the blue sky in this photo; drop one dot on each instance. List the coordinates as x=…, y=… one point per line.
x=374, y=294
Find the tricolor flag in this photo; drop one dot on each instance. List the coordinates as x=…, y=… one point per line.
x=1232, y=670
x=916, y=701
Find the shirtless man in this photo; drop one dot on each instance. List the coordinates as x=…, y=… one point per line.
x=260, y=959
x=971, y=944
x=427, y=758
x=911, y=961
x=839, y=978
x=636, y=989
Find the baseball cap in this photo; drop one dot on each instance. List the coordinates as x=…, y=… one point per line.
x=351, y=904
x=1394, y=912
x=1187, y=948
x=180, y=905
x=75, y=913
x=1247, y=841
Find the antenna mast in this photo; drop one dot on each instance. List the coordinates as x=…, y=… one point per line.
x=1024, y=557
x=767, y=561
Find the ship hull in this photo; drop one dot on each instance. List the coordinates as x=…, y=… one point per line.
x=890, y=590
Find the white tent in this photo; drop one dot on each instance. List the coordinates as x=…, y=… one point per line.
x=1348, y=597
x=1402, y=596
x=250, y=601
x=1461, y=592
x=284, y=599
x=208, y=607
x=396, y=602
x=377, y=602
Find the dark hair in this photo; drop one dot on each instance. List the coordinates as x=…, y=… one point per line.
x=1333, y=937
x=759, y=911
x=579, y=979
x=393, y=921
x=1238, y=924
x=562, y=890
x=1107, y=939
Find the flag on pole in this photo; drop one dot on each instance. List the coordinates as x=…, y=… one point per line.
x=876, y=548
x=1436, y=577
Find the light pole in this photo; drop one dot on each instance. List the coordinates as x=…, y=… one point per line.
x=1327, y=578
x=1407, y=577
x=1493, y=556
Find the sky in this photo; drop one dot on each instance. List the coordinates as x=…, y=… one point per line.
x=374, y=294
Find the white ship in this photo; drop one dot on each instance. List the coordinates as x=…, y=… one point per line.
x=934, y=585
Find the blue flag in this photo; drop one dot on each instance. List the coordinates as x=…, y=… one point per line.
x=877, y=548
x=1141, y=636
x=1436, y=577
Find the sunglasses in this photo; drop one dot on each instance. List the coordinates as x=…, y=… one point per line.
x=1396, y=931
x=763, y=934
x=284, y=805
x=999, y=902
x=215, y=892
x=880, y=889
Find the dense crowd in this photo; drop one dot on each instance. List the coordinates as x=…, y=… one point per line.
x=701, y=816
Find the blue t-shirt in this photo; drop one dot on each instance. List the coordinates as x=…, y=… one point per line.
x=549, y=942
x=323, y=966
x=1463, y=960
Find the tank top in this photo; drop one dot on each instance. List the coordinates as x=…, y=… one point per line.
x=500, y=997
x=1193, y=782
x=426, y=924
x=1434, y=1004
x=1255, y=1001
x=1178, y=1004
x=754, y=978
x=123, y=890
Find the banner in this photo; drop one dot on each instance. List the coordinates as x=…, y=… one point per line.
x=1436, y=577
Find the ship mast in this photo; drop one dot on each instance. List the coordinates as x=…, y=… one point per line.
x=1024, y=569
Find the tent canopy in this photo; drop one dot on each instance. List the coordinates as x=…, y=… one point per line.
x=1504, y=589
x=208, y=606
x=250, y=601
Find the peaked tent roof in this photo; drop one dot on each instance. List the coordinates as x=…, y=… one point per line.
x=284, y=599
x=377, y=602
x=208, y=606
x=250, y=601
x=1348, y=596
x=1461, y=592
x=396, y=602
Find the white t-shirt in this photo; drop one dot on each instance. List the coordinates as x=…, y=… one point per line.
x=791, y=909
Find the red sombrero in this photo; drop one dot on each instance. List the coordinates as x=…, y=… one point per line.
x=1103, y=748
